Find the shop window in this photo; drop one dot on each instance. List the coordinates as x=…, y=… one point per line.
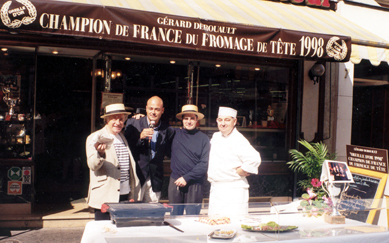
x=16, y=130
x=16, y=117
x=260, y=96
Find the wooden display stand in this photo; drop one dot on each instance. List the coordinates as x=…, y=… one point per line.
x=334, y=219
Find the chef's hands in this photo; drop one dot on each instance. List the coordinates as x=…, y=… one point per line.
x=147, y=133
x=100, y=147
x=180, y=182
x=241, y=172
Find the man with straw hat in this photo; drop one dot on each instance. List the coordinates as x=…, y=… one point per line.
x=111, y=165
x=189, y=163
x=231, y=160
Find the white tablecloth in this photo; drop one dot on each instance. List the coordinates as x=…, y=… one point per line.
x=309, y=230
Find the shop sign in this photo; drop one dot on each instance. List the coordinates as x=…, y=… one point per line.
x=14, y=188
x=157, y=29
x=26, y=179
x=367, y=158
x=14, y=173
x=313, y=3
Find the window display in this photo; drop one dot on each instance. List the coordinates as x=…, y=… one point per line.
x=16, y=134
x=260, y=94
x=15, y=126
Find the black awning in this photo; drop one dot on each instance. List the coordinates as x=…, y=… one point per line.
x=111, y=23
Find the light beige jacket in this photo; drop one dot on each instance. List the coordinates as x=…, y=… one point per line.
x=104, y=186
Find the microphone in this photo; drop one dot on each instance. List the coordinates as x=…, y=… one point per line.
x=152, y=123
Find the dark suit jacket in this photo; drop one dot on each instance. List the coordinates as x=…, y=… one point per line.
x=140, y=149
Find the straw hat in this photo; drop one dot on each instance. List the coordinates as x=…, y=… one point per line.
x=189, y=109
x=114, y=109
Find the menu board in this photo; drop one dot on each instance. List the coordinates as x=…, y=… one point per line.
x=357, y=201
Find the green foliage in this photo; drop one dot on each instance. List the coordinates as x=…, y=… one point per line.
x=311, y=162
x=305, y=183
x=315, y=208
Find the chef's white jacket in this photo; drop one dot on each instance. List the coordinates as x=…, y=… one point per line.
x=229, y=191
x=227, y=154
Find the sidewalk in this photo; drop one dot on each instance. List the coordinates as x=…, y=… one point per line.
x=43, y=235
x=76, y=214
x=48, y=223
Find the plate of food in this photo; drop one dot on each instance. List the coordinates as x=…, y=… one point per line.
x=222, y=234
x=269, y=227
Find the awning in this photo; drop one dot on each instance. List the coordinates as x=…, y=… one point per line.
x=269, y=14
x=376, y=55
x=264, y=16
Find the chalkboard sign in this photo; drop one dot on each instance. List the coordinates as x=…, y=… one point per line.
x=357, y=201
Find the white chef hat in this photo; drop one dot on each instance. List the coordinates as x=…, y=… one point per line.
x=227, y=111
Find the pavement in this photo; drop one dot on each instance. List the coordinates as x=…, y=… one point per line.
x=74, y=214
x=48, y=224
x=42, y=235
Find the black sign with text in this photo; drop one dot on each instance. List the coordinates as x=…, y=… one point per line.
x=367, y=158
x=58, y=18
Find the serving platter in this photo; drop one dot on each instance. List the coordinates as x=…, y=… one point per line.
x=281, y=229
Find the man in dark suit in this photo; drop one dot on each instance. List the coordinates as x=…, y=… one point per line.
x=150, y=140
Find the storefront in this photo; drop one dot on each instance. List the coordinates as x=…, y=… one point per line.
x=61, y=58
x=370, y=76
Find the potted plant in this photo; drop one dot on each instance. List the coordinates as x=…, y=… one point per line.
x=315, y=201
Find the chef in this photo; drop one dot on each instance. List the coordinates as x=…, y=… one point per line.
x=231, y=160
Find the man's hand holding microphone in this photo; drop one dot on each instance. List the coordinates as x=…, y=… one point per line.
x=148, y=132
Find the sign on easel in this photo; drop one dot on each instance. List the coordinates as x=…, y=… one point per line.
x=369, y=168
x=367, y=158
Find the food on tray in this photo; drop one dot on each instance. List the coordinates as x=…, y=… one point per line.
x=215, y=220
x=269, y=226
x=222, y=234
